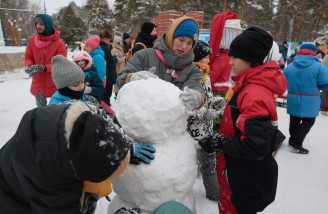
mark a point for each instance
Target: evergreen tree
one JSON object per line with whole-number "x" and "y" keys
{"x": 129, "y": 15}
{"x": 100, "y": 16}
{"x": 122, "y": 16}
{"x": 146, "y": 11}
{"x": 70, "y": 24}
{"x": 281, "y": 21}
{"x": 211, "y": 8}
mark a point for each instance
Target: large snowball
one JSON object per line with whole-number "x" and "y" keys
{"x": 150, "y": 111}
{"x": 146, "y": 112}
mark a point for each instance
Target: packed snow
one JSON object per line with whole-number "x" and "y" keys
{"x": 150, "y": 111}
{"x": 12, "y": 49}
{"x": 302, "y": 184}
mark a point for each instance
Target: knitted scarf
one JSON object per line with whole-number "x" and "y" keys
{"x": 205, "y": 68}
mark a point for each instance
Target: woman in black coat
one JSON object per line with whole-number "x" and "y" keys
{"x": 111, "y": 61}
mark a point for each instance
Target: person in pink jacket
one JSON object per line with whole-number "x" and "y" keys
{"x": 40, "y": 49}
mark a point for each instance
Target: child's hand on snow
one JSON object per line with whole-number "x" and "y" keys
{"x": 190, "y": 98}
{"x": 141, "y": 152}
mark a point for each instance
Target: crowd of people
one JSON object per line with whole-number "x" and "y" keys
{"x": 53, "y": 163}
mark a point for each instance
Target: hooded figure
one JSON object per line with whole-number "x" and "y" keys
{"x": 41, "y": 48}
{"x": 54, "y": 150}
{"x": 172, "y": 62}
{"x": 306, "y": 77}
{"x": 224, "y": 28}
{"x": 93, "y": 85}
{"x": 147, "y": 36}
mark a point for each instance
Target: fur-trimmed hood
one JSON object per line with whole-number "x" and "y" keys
{"x": 173, "y": 27}
{"x": 73, "y": 112}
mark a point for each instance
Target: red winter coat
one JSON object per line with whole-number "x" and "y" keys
{"x": 221, "y": 71}
{"x": 247, "y": 172}
{"x": 40, "y": 50}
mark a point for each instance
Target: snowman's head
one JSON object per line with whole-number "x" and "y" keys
{"x": 151, "y": 111}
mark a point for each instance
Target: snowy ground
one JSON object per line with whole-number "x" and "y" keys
{"x": 10, "y": 49}
{"x": 303, "y": 179}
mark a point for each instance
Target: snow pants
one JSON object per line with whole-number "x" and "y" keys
{"x": 207, "y": 165}
{"x": 299, "y": 127}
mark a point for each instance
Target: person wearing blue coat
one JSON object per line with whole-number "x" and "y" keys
{"x": 306, "y": 76}
{"x": 97, "y": 54}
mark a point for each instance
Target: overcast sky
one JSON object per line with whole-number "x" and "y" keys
{"x": 53, "y": 6}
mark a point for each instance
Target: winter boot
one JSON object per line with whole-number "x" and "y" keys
{"x": 324, "y": 113}
{"x": 298, "y": 149}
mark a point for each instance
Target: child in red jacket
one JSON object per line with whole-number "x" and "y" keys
{"x": 247, "y": 172}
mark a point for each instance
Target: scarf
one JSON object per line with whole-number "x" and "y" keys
{"x": 205, "y": 68}
{"x": 41, "y": 44}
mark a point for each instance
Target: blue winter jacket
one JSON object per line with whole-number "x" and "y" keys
{"x": 99, "y": 61}
{"x": 92, "y": 80}
{"x": 306, "y": 76}
{"x": 58, "y": 98}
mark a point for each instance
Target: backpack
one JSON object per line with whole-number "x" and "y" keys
{"x": 129, "y": 53}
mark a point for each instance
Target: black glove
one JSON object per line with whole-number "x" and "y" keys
{"x": 89, "y": 203}
{"x": 123, "y": 210}
{"x": 219, "y": 103}
{"x": 141, "y": 152}
{"x": 31, "y": 70}
{"x": 213, "y": 143}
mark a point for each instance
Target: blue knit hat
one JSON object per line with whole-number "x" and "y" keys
{"x": 48, "y": 23}
{"x": 187, "y": 28}
{"x": 309, "y": 46}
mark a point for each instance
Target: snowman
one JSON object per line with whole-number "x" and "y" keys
{"x": 150, "y": 111}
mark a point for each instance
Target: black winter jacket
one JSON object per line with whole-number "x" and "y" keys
{"x": 146, "y": 39}
{"x": 35, "y": 172}
{"x": 110, "y": 62}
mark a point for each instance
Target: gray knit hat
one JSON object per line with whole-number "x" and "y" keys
{"x": 65, "y": 72}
